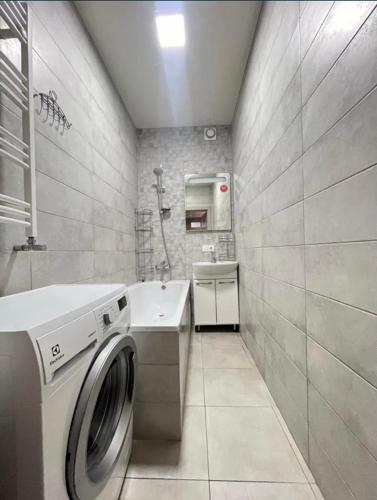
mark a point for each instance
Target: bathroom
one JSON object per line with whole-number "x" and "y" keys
{"x": 248, "y": 334}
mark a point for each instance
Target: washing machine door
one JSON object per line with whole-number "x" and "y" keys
{"x": 102, "y": 416}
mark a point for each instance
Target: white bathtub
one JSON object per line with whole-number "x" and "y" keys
{"x": 156, "y": 308}
{"x": 161, "y": 327}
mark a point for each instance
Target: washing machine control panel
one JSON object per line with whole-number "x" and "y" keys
{"x": 116, "y": 310}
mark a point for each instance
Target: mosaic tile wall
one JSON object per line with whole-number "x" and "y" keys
{"x": 180, "y": 151}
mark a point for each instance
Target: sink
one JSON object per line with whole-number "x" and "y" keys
{"x": 214, "y": 268}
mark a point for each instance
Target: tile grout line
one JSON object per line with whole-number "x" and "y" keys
{"x": 205, "y": 415}
{"x": 341, "y": 361}
{"x": 304, "y": 239}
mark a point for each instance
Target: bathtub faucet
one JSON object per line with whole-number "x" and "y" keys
{"x": 163, "y": 267}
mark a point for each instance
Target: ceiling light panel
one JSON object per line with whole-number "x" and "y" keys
{"x": 171, "y": 30}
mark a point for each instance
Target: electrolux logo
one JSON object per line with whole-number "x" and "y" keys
{"x": 57, "y": 355}
{"x": 55, "y": 350}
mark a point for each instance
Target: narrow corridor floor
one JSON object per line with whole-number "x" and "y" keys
{"x": 235, "y": 444}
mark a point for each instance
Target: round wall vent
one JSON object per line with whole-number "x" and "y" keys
{"x": 210, "y": 133}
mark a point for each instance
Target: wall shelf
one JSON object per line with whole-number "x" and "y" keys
{"x": 143, "y": 243}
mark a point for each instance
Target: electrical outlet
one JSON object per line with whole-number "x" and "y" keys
{"x": 208, "y": 248}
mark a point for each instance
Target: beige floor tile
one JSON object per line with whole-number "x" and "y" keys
{"x": 186, "y": 459}
{"x": 260, "y": 491}
{"x": 195, "y": 356}
{"x": 164, "y": 489}
{"x": 220, "y": 339}
{"x": 194, "y": 387}
{"x": 235, "y": 387}
{"x": 230, "y": 356}
{"x": 248, "y": 444}
{"x": 195, "y": 338}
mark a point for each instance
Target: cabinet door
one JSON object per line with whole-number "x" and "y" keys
{"x": 204, "y": 302}
{"x": 227, "y": 302}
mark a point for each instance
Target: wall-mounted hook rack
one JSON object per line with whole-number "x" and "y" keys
{"x": 48, "y": 103}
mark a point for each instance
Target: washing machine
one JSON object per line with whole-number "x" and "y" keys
{"x": 67, "y": 377}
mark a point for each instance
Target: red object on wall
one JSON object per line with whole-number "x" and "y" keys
{"x": 223, "y": 188}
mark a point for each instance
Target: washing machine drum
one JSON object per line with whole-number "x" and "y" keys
{"x": 102, "y": 416}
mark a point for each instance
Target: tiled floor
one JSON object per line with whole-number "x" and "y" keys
{"x": 235, "y": 444}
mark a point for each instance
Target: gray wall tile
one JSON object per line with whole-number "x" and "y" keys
{"x": 311, "y": 20}
{"x": 347, "y": 148}
{"x": 289, "y": 337}
{"x": 285, "y": 227}
{"x": 349, "y": 333}
{"x": 340, "y": 90}
{"x": 287, "y": 299}
{"x": 61, "y": 267}
{"x": 86, "y": 177}
{"x": 349, "y": 209}
{"x": 329, "y": 480}
{"x": 304, "y": 156}
{"x": 355, "y": 464}
{"x": 285, "y": 264}
{"x": 353, "y": 399}
{"x": 345, "y": 272}
{"x": 331, "y": 39}
{"x": 15, "y": 275}
{"x": 293, "y": 379}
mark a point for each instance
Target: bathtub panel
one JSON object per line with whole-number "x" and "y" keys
{"x": 157, "y": 348}
{"x": 157, "y": 384}
{"x": 161, "y": 327}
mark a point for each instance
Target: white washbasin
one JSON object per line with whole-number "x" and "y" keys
{"x": 214, "y": 268}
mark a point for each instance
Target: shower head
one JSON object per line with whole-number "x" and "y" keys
{"x": 158, "y": 171}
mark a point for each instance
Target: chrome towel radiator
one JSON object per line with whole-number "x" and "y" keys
{"x": 17, "y": 95}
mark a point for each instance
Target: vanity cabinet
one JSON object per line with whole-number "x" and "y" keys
{"x": 227, "y": 302}
{"x": 216, "y": 301}
{"x": 205, "y": 302}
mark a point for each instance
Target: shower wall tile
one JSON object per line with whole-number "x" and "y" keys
{"x": 180, "y": 151}
{"x": 304, "y": 159}
{"x": 86, "y": 177}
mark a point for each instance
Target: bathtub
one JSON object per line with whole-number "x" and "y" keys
{"x": 161, "y": 327}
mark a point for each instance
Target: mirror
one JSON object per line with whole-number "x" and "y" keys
{"x": 208, "y": 202}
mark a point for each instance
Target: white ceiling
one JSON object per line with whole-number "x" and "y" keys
{"x": 193, "y": 85}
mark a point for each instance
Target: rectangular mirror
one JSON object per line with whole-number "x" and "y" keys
{"x": 208, "y": 202}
